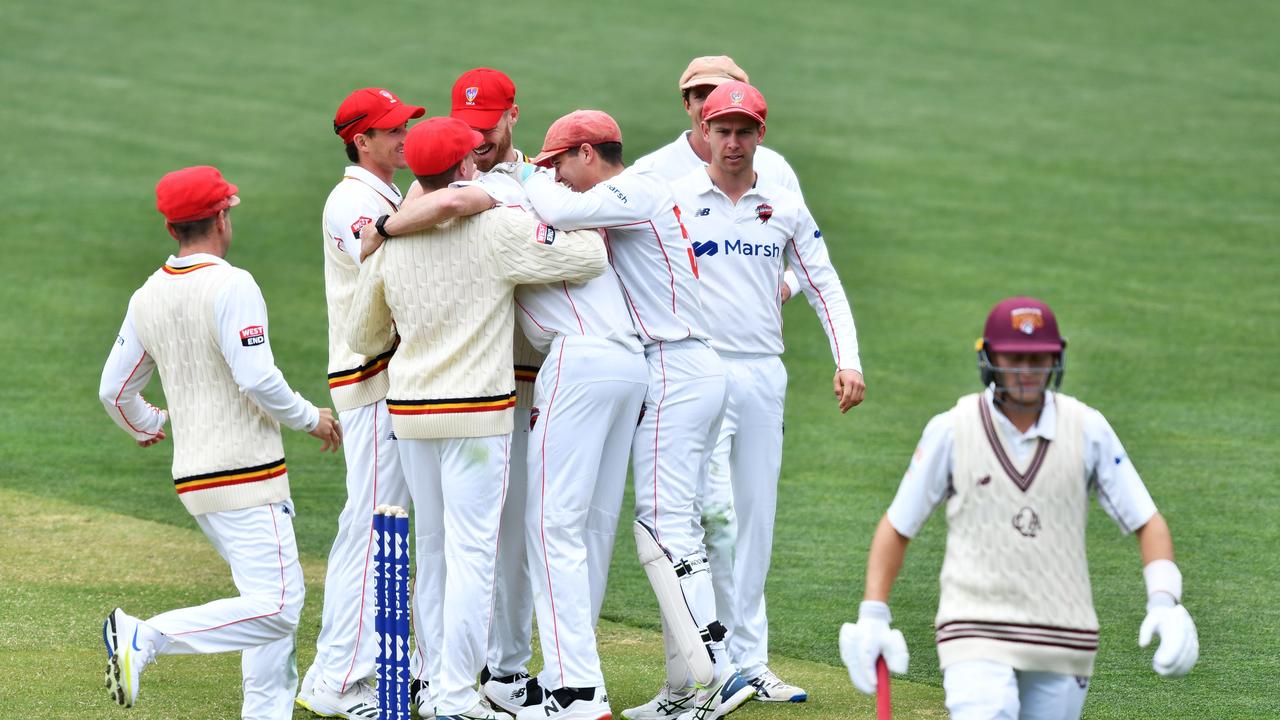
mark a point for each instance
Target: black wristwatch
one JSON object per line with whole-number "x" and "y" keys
{"x": 381, "y": 226}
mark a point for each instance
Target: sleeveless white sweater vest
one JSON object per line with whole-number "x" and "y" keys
{"x": 227, "y": 452}
{"x": 1015, "y": 581}
{"x": 355, "y": 380}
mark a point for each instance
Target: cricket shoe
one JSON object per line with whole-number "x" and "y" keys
{"x": 511, "y": 693}
{"x": 720, "y": 699}
{"x": 771, "y": 688}
{"x": 481, "y": 711}
{"x": 571, "y": 704}
{"x": 129, "y": 651}
{"x": 420, "y": 692}
{"x": 303, "y": 700}
{"x": 669, "y": 704}
{"x": 359, "y": 702}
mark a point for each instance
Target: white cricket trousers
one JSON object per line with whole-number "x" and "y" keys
{"x": 588, "y": 396}
{"x": 347, "y": 649}
{"x": 511, "y": 637}
{"x": 670, "y": 454}
{"x": 259, "y": 546}
{"x": 458, "y": 486}
{"x": 986, "y": 690}
{"x": 749, "y": 453}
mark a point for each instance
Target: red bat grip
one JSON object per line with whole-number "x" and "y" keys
{"x": 884, "y": 706}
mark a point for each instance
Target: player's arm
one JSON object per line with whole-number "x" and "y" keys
{"x": 240, "y": 317}
{"x": 807, "y": 253}
{"x": 1124, "y": 497}
{"x": 923, "y": 488}
{"x": 425, "y": 211}
{"x": 532, "y": 253}
{"x": 369, "y": 321}
{"x": 606, "y": 205}
{"x": 126, "y": 373}
{"x": 790, "y": 284}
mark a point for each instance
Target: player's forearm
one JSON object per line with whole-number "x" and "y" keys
{"x": 568, "y": 210}
{"x": 573, "y": 256}
{"x": 1155, "y": 542}
{"x": 272, "y": 393}
{"x": 127, "y": 371}
{"x": 884, "y": 562}
{"x": 427, "y": 211}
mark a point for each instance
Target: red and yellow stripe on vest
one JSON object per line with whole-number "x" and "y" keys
{"x": 223, "y": 478}
{"x": 364, "y": 372}
{"x": 447, "y": 406}
{"x": 184, "y": 270}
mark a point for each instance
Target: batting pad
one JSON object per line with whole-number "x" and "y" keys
{"x": 660, "y": 568}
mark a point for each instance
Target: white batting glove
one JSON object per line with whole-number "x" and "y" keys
{"x": 869, "y": 638}
{"x": 1179, "y": 644}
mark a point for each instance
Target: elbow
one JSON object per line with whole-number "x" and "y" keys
{"x": 107, "y": 394}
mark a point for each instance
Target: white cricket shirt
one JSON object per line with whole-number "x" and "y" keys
{"x": 926, "y": 484}
{"x": 593, "y": 308}
{"x": 238, "y": 308}
{"x": 648, "y": 247}
{"x": 740, "y": 248}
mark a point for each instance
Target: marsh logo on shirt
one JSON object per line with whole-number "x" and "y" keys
{"x": 546, "y": 234}
{"x": 253, "y": 335}
{"x": 710, "y": 247}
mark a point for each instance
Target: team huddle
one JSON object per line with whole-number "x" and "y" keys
{"x": 514, "y": 334}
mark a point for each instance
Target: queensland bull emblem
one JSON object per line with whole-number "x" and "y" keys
{"x": 472, "y": 92}
{"x": 1027, "y": 522}
{"x": 1026, "y": 320}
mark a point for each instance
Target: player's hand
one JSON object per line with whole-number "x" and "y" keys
{"x": 849, "y": 388}
{"x": 786, "y": 293}
{"x": 370, "y": 241}
{"x": 518, "y": 171}
{"x": 328, "y": 431}
{"x": 869, "y": 638}
{"x": 148, "y": 442}
{"x": 1179, "y": 645}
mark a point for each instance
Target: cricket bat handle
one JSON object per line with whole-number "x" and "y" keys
{"x": 884, "y": 706}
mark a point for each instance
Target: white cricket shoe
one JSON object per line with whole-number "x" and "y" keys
{"x": 571, "y": 704}
{"x": 359, "y": 702}
{"x": 129, "y": 651}
{"x": 481, "y": 711}
{"x": 420, "y": 692}
{"x": 511, "y": 693}
{"x": 303, "y": 699}
{"x": 771, "y": 688}
{"x": 720, "y": 699}
{"x": 668, "y": 704}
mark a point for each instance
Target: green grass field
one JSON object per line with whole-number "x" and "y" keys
{"x": 1121, "y": 161}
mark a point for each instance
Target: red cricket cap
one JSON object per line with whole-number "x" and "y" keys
{"x": 481, "y": 95}
{"x": 372, "y": 108}
{"x": 437, "y": 144}
{"x": 194, "y": 193}
{"x": 578, "y": 127}
{"x": 735, "y": 98}
{"x": 1022, "y": 325}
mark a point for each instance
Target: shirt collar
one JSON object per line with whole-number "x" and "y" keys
{"x": 194, "y": 259}
{"x": 1045, "y": 427}
{"x": 374, "y": 182}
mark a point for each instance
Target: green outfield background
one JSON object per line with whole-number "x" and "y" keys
{"x": 1119, "y": 160}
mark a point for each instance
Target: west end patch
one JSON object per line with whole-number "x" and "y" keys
{"x": 253, "y": 335}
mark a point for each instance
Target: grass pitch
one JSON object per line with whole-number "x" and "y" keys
{"x": 1118, "y": 160}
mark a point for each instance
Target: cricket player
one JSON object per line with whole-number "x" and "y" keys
{"x": 372, "y": 124}
{"x": 691, "y": 151}
{"x": 449, "y": 292}
{"x": 1016, "y": 629}
{"x": 203, "y": 324}
{"x": 746, "y": 225}
{"x": 585, "y": 409}
{"x": 651, "y": 252}
{"x": 484, "y": 98}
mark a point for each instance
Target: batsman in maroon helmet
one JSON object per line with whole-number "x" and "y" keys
{"x": 1016, "y": 631}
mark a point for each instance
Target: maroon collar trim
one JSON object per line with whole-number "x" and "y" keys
{"x": 1022, "y": 480}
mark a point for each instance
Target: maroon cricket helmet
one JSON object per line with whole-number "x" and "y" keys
{"x": 1021, "y": 325}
